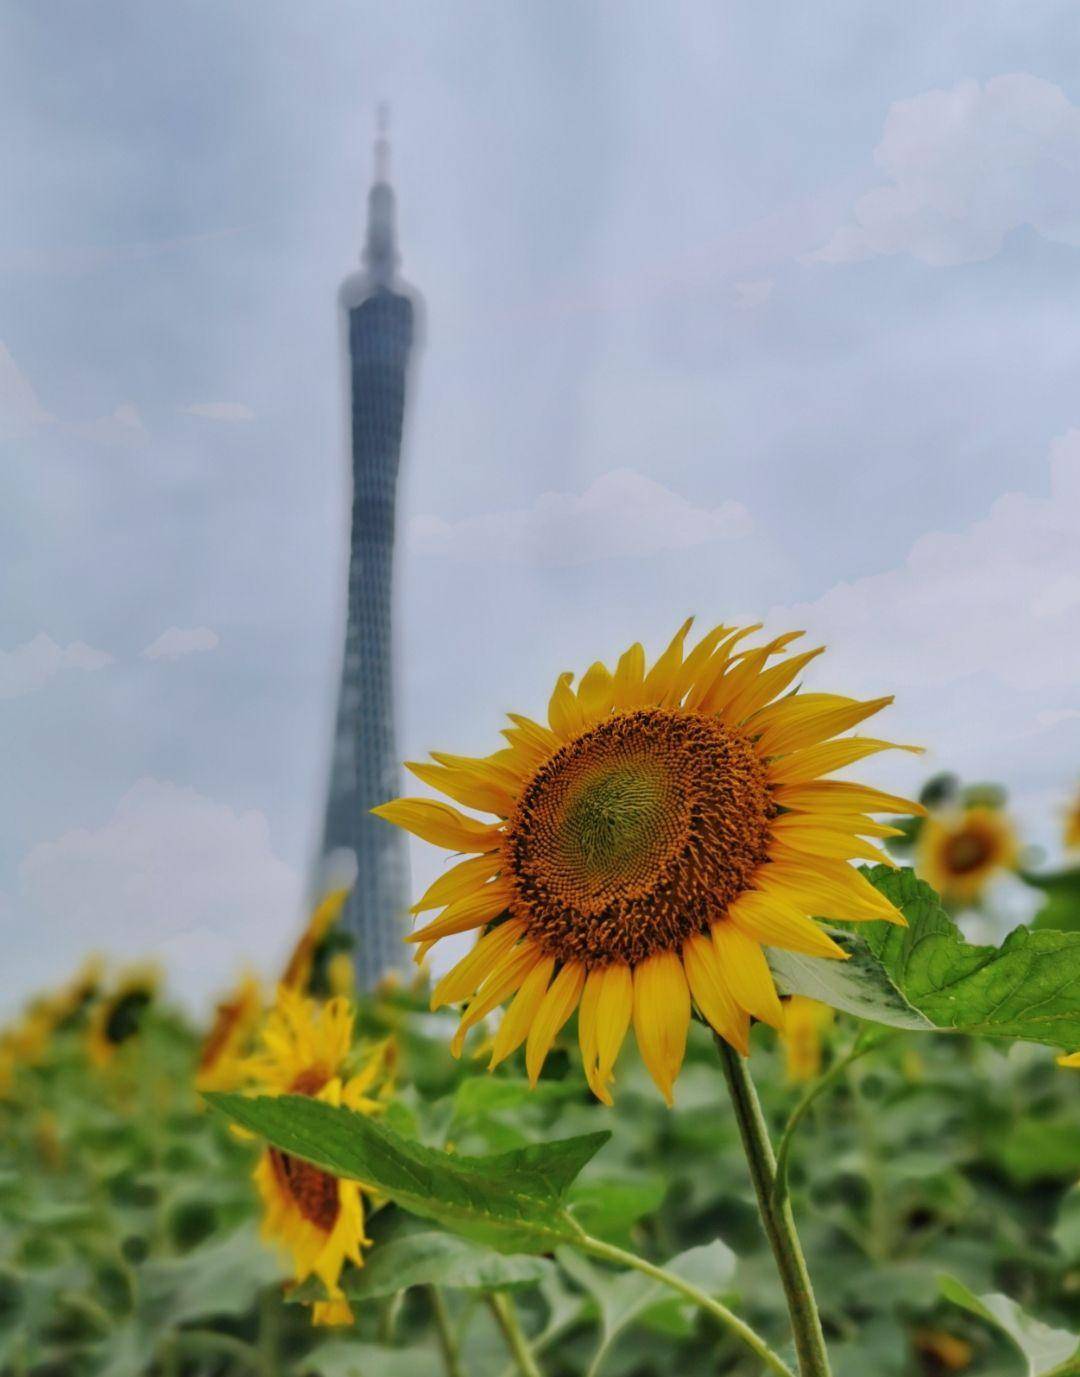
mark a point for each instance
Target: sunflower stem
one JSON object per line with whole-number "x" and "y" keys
{"x": 502, "y": 1307}
{"x": 447, "y": 1338}
{"x": 776, "y": 1216}
{"x": 750, "y": 1337}
{"x": 833, "y": 1074}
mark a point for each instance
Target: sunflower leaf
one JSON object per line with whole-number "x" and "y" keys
{"x": 1028, "y": 988}
{"x": 512, "y": 1201}
{"x": 1048, "y": 1352}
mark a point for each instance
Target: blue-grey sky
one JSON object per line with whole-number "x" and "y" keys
{"x": 730, "y": 310}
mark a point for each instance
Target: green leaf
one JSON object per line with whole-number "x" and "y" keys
{"x": 1047, "y": 1351}
{"x": 1028, "y": 988}
{"x": 1061, "y": 907}
{"x": 860, "y": 985}
{"x": 346, "y": 1358}
{"x": 625, "y": 1297}
{"x": 430, "y": 1258}
{"x": 610, "y": 1207}
{"x": 512, "y": 1201}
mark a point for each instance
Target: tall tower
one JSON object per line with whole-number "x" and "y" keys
{"x": 377, "y": 317}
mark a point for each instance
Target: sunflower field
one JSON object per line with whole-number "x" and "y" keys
{"x": 703, "y": 1095}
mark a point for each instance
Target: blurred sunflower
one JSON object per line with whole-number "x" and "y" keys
{"x": 805, "y": 1021}
{"x": 1071, "y": 1059}
{"x": 221, "y": 1063}
{"x": 117, "y": 1018}
{"x": 72, "y": 1000}
{"x": 665, "y": 825}
{"x": 316, "y": 1218}
{"x": 1071, "y": 836}
{"x": 960, "y": 852}
{"x": 301, "y": 963}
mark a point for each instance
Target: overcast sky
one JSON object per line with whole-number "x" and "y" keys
{"x": 730, "y": 309}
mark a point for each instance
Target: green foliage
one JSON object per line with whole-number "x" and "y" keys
{"x": 926, "y": 975}
{"x": 511, "y": 1201}
{"x": 1048, "y": 1352}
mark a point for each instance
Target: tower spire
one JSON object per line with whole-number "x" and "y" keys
{"x": 380, "y": 256}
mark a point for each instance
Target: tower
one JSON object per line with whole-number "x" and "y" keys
{"x": 377, "y": 319}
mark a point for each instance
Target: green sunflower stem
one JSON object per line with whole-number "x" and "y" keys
{"x": 750, "y": 1337}
{"x": 502, "y": 1307}
{"x": 776, "y": 1216}
{"x": 444, "y": 1327}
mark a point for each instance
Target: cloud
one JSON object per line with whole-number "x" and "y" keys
{"x": 980, "y": 601}
{"x": 622, "y": 513}
{"x": 30, "y": 666}
{"x": 180, "y": 641}
{"x": 966, "y": 166}
{"x": 20, "y": 410}
{"x": 172, "y": 874}
{"x": 219, "y": 411}
{"x": 751, "y": 294}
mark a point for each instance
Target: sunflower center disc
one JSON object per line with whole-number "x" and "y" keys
{"x": 967, "y": 851}
{"x": 314, "y": 1192}
{"x": 635, "y": 834}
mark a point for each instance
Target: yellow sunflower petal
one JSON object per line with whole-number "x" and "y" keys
{"x": 564, "y": 711}
{"x": 503, "y": 981}
{"x": 596, "y": 693}
{"x": 819, "y": 726}
{"x": 828, "y": 889}
{"x": 463, "y": 979}
{"x": 843, "y": 796}
{"x": 661, "y": 1017}
{"x": 714, "y": 669}
{"x": 518, "y": 1019}
{"x": 587, "y": 1032}
{"x": 629, "y": 678}
{"x": 465, "y": 787}
{"x": 662, "y": 675}
{"x": 464, "y": 878}
{"x": 803, "y": 766}
{"x": 747, "y": 974}
{"x": 776, "y": 922}
{"x": 764, "y": 687}
{"x": 558, "y": 1004}
{"x": 474, "y": 911}
{"x": 694, "y": 663}
{"x": 439, "y": 824}
{"x": 823, "y": 841}
{"x": 614, "y": 1009}
{"x": 711, "y": 994}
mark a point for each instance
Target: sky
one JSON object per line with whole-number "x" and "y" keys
{"x": 728, "y": 310}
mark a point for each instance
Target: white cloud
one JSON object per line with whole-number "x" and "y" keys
{"x": 123, "y": 427}
{"x": 964, "y": 603}
{"x": 179, "y": 641}
{"x": 621, "y": 513}
{"x": 756, "y": 293}
{"x": 219, "y": 411}
{"x": 31, "y": 665}
{"x": 173, "y": 875}
{"x": 20, "y": 410}
{"x": 966, "y": 166}
{"x": 953, "y": 632}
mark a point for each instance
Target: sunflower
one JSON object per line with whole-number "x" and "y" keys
{"x": 317, "y": 1219}
{"x": 1071, "y": 835}
{"x": 301, "y": 963}
{"x": 805, "y": 1020}
{"x": 664, "y": 826}
{"x": 1070, "y": 1059}
{"x": 118, "y": 1018}
{"x": 222, "y": 1056}
{"x": 960, "y": 852}
{"x": 72, "y": 1000}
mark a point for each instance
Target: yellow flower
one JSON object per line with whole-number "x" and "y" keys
{"x": 298, "y": 968}
{"x": 315, "y": 1218}
{"x": 1072, "y": 825}
{"x": 665, "y": 825}
{"x": 948, "y": 1352}
{"x": 804, "y": 1022}
{"x": 221, "y": 1058}
{"x": 118, "y": 1018}
{"x": 960, "y": 852}
{"x": 1071, "y": 1059}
